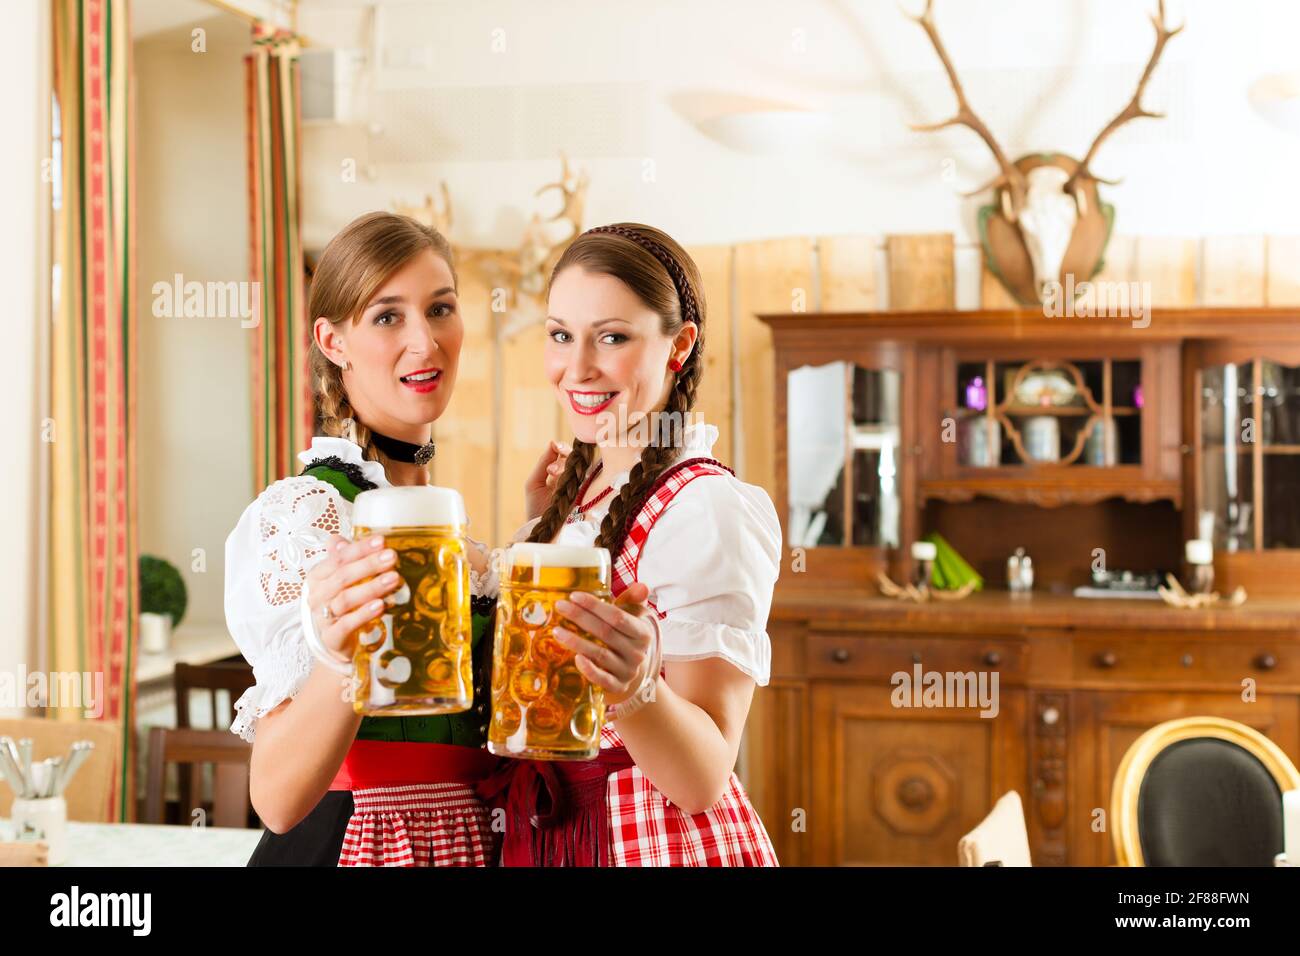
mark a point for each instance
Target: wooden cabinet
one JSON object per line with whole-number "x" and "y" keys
{"x": 1049, "y": 424}
{"x": 845, "y": 769}
{"x": 900, "y": 785}
{"x": 1089, "y": 441}
{"x": 882, "y": 419}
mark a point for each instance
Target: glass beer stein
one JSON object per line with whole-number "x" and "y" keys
{"x": 542, "y": 706}
{"x": 416, "y": 657}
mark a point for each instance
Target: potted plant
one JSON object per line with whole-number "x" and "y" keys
{"x": 162, "y": 602}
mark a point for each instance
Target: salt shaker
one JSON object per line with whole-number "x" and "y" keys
{"x": 923, "y": 554}
{"x": 1020, "y": 572}
{"x": 1200, "y": 566}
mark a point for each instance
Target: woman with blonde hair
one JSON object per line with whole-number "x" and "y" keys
{"x": 331, "y": 786}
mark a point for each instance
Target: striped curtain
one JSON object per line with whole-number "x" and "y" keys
{"x": 283, "y": 413}
{"x": 93, "y": 537}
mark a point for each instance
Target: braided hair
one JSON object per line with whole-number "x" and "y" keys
{"x": 354, "y": 265}
{"x": 666, "y": 279}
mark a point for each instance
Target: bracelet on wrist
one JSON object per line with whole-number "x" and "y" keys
{"x": 645, "y": 693}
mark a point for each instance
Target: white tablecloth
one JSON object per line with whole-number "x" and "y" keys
{"x": 139, "y": 844}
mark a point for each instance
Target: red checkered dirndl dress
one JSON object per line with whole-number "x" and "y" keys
{"x": 636, "y": 825}
{"x": 399, "y": 818}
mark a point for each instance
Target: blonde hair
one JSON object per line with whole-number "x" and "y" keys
{"x": 354, "y": 265}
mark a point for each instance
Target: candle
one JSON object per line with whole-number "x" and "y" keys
{"x": 924, "y": 551}
{"x": 1199, "y": 551}
{"x": 1291, "y": 826}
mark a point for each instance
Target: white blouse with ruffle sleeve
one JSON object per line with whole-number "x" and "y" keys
{"x": 279, "y": 538}
{"x": 711, "y": 561}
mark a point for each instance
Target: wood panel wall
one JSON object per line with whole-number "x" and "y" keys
{"x": 504, "y": 411}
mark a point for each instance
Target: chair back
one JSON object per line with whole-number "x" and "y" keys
{"x": 229, "y": 756}
{"x": 1200, "y": 791}
{"x": 232, "y": 677}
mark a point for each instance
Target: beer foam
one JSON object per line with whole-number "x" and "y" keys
{"x": 530, "y": 554}
{"x": 408, "y": 506}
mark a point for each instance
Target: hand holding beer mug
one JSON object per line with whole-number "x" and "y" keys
{"x": 544, "y": 706}
{"x": 414, "y": 657}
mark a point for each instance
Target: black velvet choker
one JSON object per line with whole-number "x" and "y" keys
{"x": 406, "y": 451}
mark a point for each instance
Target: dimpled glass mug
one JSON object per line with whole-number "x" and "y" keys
{"x": 416, "y": 657}
{"x": 542, "y": 706}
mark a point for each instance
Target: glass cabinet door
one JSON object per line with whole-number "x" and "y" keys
{"x": 1250, "y": 456}
{"x": 843, "y": 444}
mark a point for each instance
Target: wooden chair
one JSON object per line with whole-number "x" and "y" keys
{"x": 89, "y": 794}
{"x": 233, "y": 677}
{"x": 1200, "y": 791}
{"x": 1000, "y": 839}
{"x": 228, "y": 754}
{"x": 229, "y": 677}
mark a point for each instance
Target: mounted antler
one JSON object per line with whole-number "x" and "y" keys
{"x": 1011, "y": 178}
{"x": 431, "y": 213}
{"x": 1133, "y": 110}
{"x": 573, "y": 190}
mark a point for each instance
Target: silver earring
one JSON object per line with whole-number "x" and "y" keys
{"x": 346, "y": 366}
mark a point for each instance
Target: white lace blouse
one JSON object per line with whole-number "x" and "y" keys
{"x": 278, "y": 539}
{"x": 711, "y": 561}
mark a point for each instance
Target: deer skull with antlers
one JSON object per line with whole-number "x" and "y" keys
{"x": 1049, "y": 220}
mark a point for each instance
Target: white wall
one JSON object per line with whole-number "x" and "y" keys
{"x": 483, "y": 95}
{"x": 25, "y": 277}
{"x": 194, "y": 448}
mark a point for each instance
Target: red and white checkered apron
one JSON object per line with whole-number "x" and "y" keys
{"x": 414, "y": 804}
{"x": 644, "y": 828}
{"x": 605, "y": 812}
{"x": 423, "y": 824}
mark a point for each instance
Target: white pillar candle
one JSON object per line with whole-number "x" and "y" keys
{"x": 1199, "y": 551}
{"x": 1291, "y": 826}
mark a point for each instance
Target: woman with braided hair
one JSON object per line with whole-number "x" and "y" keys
{"x": 333, "y": 787}
{"x": 624, "y": 353}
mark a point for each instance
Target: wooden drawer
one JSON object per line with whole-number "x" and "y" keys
{"x": 854, "y": 654}
{"x": 1124, "y": 658}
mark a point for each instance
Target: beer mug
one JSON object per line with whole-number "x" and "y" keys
{"x": 416, "y": 657}
{"x": 542, "y": 706}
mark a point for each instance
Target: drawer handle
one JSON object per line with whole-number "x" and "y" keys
{"x": 1107, "y": 659}
{"x": 993, "y": 658}
{"x": 1187, "y": 660}
{"x": 840, "y": 655}
{"x": 1266, "y": 662}
{"x": 1050, "y": 716}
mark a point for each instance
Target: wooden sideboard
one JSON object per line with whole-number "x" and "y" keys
{"x": 1099, "y": 445}
{"x": 843, "y": 775}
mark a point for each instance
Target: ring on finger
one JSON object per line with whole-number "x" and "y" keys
{"x": 327, "y": 612}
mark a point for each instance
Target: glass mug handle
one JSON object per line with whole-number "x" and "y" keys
{"x": 318, "y": 650}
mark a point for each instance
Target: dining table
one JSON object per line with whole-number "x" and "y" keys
{"x": 145, "y": 844}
